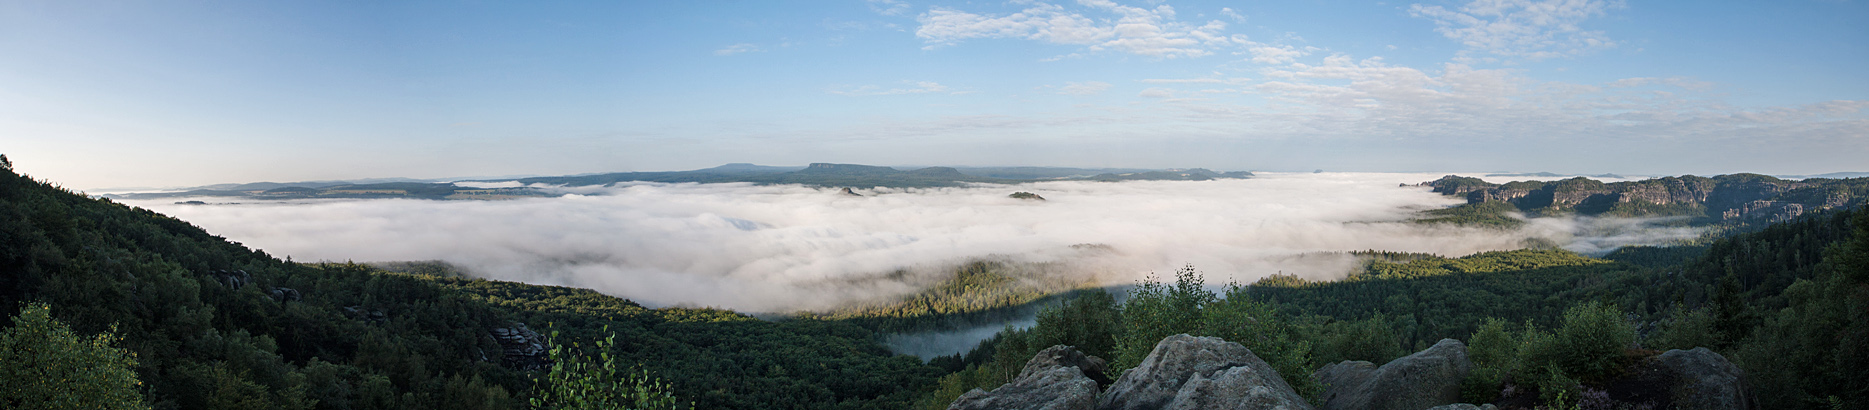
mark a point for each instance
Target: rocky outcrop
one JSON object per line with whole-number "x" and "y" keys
{"x": 232, "y": 279}
{"x": 1055, "y": 379}
{"x": 358, "y": 312}
{"x": 1726, "y": 197}
{"x": 1093, "y": 367}
{"x": 848, "y": 191}
{"x": 1704, "y": 380}
{"x": 286, "y": 295}
{"x": 1774, "y": 211}
{"x": 1026, "y": 196}
{"x": 1186, "y": 372}
{"x": 1342, "y": 376}
{"x": 1425, "y": 379}
{"x": 520, "y": 347}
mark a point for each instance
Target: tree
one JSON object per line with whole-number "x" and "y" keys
{"x": 44, "y": 365}
{"x": 1157, "y": 310}
{"x": 582, "y": 382}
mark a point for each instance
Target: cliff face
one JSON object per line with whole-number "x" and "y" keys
{"x": 1725, "y": 197}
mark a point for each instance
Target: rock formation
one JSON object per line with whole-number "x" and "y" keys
{"x": 286, "y": 295}
{"x": 1704, "y": 380}
{"x": 1425, "y": 379}
{"x": 1725, "y": 197}
{"x": 521, "y": 348}
{"x": 233, "y": 279}
{"x": 1026, "y": 195}
{"x": 1186, "y": 372}
{"x": 1053, "y": 380}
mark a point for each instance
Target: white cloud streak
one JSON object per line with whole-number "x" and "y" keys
{"x": 737, "y": 49}
{"x": 1529, "y": 29}
{"x": 1084, "y": 88}
{"x": 888, "y": 7}
{"x": 774, "y": 248}
{"x": 1150, "y": 32}
{"x": 918, "y": 87}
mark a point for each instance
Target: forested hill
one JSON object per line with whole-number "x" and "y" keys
{"x": 1737, "y": 198}
{"x": 216, "y": 325}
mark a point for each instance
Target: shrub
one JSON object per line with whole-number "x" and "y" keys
{"x": 1155, "y": 311}
{"x": 1372, "y": 340}
{"x": 1494, "y": 354}
{"x": 1259, "y": 328}
{"x": 581, "y": 382}
{"x": 1592, "y": 341}
{"x": 43, "y": 364}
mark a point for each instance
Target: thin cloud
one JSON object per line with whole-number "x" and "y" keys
{"x": 1235, "y": 15}
{"x": 1529, "y": 29}
{"x": 1141, "y": 31}
{"x": 888, "y": 7}
{"x": 737, "y": 49}
{"x": 918, "y": 87}
{"x": 1084, "y": 88}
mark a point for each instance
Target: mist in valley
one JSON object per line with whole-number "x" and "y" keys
{"x": 789, "y": 248}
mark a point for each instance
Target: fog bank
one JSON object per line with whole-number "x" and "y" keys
{"x": 777, "y": 248}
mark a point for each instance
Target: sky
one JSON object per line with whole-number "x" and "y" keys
{"x": 100, "y": 94}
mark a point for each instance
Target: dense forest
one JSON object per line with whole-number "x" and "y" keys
{"x": 157, "y": 313}
{"x": 211, "y": 324}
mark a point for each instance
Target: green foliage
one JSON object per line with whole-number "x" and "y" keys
{"x": 200, "y": 315}
{"x": 1495, "y": 353}
{"x": 1498, "y": 215}
{"x": 45, "y": 365}
{"x": 1812, "y": 352}
{"x": 1089, "y": 322}
{"x": 1260, "y": 328}
{"x": 1684, "y": 328}
{"x": 953, "y": 385}
{"x": 1484, "y": 262}
{"x": 593, "y": 380}
{"x": 1155, "y": 310}
{"x": 1372, "y": 340}
{"x": 1588, "y": 346}
{"x": 977, "y": 289}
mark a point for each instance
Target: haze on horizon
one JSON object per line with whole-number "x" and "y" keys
{"x": 112, "y": 94}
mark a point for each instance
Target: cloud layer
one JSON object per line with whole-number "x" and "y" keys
{"x": 776, "y": 248}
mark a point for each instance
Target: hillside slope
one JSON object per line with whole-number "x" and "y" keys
{"x": 216, "y": 325}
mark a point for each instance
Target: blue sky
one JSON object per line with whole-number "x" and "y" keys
{"x": 110, "y": 94}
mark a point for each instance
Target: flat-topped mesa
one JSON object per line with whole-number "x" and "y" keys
{"x": 1724, "y": 197}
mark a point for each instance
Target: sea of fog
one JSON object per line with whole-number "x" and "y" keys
{"x": 786, "y": 248}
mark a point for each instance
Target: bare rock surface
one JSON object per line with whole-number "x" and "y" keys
{"x": 1093, "y": 367}
{"x": 1418, "y": 381}
{"x": 1053, "y": 380}
{"x": 1186, "y": 372}
{"x": 1704, "y": 380}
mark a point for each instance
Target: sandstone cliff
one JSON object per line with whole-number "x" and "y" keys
{"x": 1735, "y": 197}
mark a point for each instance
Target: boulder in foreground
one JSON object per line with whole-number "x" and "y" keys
{"x": 1186, "y": 372}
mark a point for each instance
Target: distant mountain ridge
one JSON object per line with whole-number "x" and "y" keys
{"x": 866, "y": 176}
{"x": 816, "y": 174}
